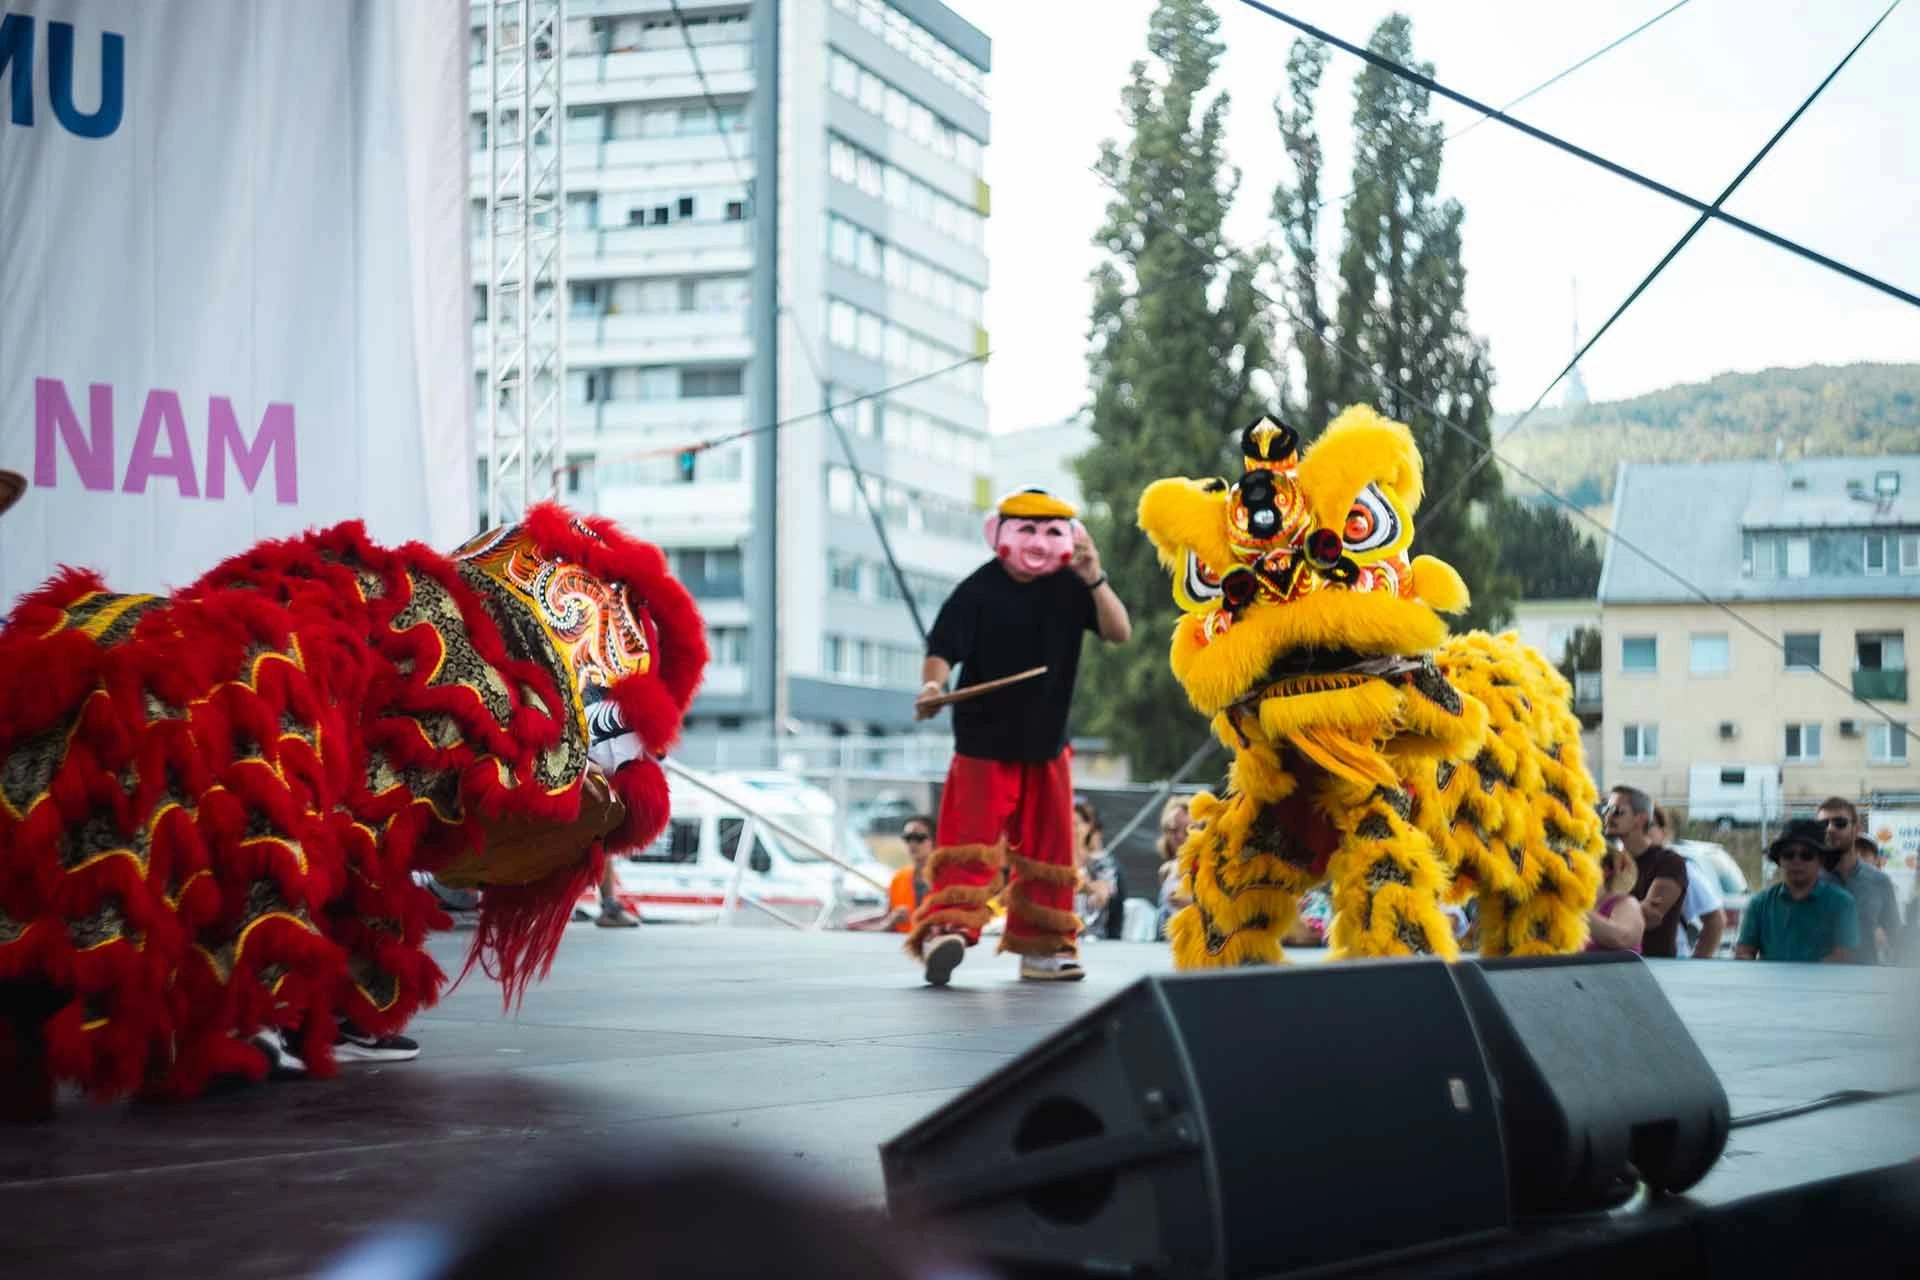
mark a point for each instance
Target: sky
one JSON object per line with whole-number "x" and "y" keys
{"x": 1688, "y": 102}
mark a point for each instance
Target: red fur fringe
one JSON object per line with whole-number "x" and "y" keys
{"x": 276, "y": 674}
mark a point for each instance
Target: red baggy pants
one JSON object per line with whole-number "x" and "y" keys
{"x": 999, "y": 819}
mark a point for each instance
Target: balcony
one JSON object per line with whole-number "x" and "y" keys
{"x": 1880, "y": 685}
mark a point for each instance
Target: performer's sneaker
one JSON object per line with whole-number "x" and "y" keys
{"x": 1051, "y": 969}
{"x": 351, "y": 1044}
{"x": 615, "y": 916}
{"x": 943, "y": 956}
{"x": 281, "y": 1062}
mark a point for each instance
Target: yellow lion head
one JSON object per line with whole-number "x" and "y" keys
{"x": 1295, "y": 579}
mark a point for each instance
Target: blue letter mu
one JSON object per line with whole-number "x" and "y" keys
{"x": 16, "y": 56}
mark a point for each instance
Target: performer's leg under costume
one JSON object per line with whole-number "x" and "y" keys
{"x": 1000, "y": 820}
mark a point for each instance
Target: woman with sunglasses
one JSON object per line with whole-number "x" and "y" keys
{"x": 909, "y": 883}
{"x": 1803, "y": 917}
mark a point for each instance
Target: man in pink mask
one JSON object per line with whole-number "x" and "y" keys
{"x": 1007, "y": 807}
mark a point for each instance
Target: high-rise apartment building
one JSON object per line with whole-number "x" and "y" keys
{"x": 806, "y": 228}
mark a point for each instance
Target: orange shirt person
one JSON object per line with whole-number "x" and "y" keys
{"x": 906, "y": 888}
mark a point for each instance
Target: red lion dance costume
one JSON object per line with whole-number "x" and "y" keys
{"x": 213, "y": 804}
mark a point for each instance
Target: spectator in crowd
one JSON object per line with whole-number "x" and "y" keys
{"x": 1804, "y": 916}
{"x": 1703, "y": 914}
{"x": 1176, "y": 822}
{"x": 1868, "y": 885}
{"x": 909, "y": 884}
{"x": 1096, "y": 897}
{"x": 1660, "y": 880}
{"x": 1616, "y": 922}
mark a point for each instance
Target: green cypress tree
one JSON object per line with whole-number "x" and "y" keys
{"x": 1179, "y": 336}
{"x": 1401, "y": 309}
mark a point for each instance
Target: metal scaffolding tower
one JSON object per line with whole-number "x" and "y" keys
{"x": 526, "y": 266}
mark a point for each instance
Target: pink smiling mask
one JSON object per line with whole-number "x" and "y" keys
{"x": 1032, "y": 545}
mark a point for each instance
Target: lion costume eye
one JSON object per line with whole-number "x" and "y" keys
{"x": 1372, "y": 523}
{"x": 1199, "y": 584}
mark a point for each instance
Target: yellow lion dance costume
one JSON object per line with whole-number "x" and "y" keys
{"x": 1412, "y": 767}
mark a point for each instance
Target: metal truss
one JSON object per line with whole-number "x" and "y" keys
{"x": 526, "y": 264}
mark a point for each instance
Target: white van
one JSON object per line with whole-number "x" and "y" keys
{"x": 685, "y": 875}
{"x": 1735, "y": 794}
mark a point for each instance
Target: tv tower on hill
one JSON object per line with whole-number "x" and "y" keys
{"x": 1576, "y": 393}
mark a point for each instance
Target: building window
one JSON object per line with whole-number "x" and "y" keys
{"x": 1639, "y": 653}
{"x": 843, "y": 572}
{"x": 1799, "y": 557}
{"x": 1876, "y": 554}
{"x": 840, "y": 490}
{"x": 704, "y": 384}
{"x": 1640, "y": 743}
{"x": 1708, "y": 654}
{"x": 833, "y": 655}
{"x": 1910, "y": 553}
{"x": 685, "y": 209}
{"x": 1803, "y": 650}
{"x": 1803, "y": 743}
{"x": 1880, "y": 651}
{"x": 1887, "y": 742}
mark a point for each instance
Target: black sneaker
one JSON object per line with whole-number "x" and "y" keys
{"x": 351, "y": 1044}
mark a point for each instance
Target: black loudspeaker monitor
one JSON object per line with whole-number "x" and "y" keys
{"x": 1598, "y": 1077}
{"x": 1232, "y": 1123}
{"x": 1261, "y": 1121}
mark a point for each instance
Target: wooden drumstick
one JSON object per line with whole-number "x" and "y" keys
{"x": 985, "y": 686}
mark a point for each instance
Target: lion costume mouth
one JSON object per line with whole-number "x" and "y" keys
{"x": 1307, "y": 671}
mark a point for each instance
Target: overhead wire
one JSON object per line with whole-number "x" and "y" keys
{"x": 1544, "y": 85}
{"x": 805, "y": 343}
{"x": 1572, "y": 148}
{"x": 1473, "y": 469}
{"x": 1443, "y": 420}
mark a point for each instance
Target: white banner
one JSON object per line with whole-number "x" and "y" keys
{"x": 234, "y": 280}
{"x": 1897, "y": 832}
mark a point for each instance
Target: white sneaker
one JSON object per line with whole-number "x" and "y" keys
{"x": 281, "y": 1062}
{"x": 943, "y": 956}
{"x": 1051, "y": 969}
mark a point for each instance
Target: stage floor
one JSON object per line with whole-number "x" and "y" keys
{"x": 806, "y": 1051}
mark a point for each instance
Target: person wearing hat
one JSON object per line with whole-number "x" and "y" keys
{"x": 1804, "y": 917}
{"x": 1007, "y": 806}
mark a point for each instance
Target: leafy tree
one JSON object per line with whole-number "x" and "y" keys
{"x": 1582, "y": 653}
{"x": 1179, "y": 335}
{"x": 1400, "y": 314}
{"x": 1542, "y": 551}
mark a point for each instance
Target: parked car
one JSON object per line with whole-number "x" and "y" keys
{"x": 1709, "y": 859}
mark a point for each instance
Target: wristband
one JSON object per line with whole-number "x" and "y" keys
{"x": 1098, "y": 582}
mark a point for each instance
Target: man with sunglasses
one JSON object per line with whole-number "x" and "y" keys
{"x": 1869, "y": 886}
{"x": 1803, "y": 918}
{"x": 1660, "y": 884}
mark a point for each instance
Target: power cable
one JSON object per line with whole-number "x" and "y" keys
{"x": 713, "y": 106}
{"x": 1474, "y": 468}
{"x": 1591, "y": 157}
{"x": 1839, "y": 1098}
{"x": 1474, "y": 442}
{"x": 712, "y": 442}
{"x": 859, "y": 476}
{"x": 1548, "y": 83}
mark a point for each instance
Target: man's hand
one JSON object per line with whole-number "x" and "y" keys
{"x": 1086, "y": 556}
{"x": 928, "y": 691}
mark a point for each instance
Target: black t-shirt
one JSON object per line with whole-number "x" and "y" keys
{"x": 994, "y": 625}
{"x": 1661, "y": 863}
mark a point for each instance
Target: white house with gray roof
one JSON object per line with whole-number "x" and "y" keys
{"x": 1760, "y": 627}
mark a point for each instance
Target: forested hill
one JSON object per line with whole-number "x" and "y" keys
{"x": 1816, "y": 411}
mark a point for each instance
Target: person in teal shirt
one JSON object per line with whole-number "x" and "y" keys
{"x": 1803, "y": 918}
